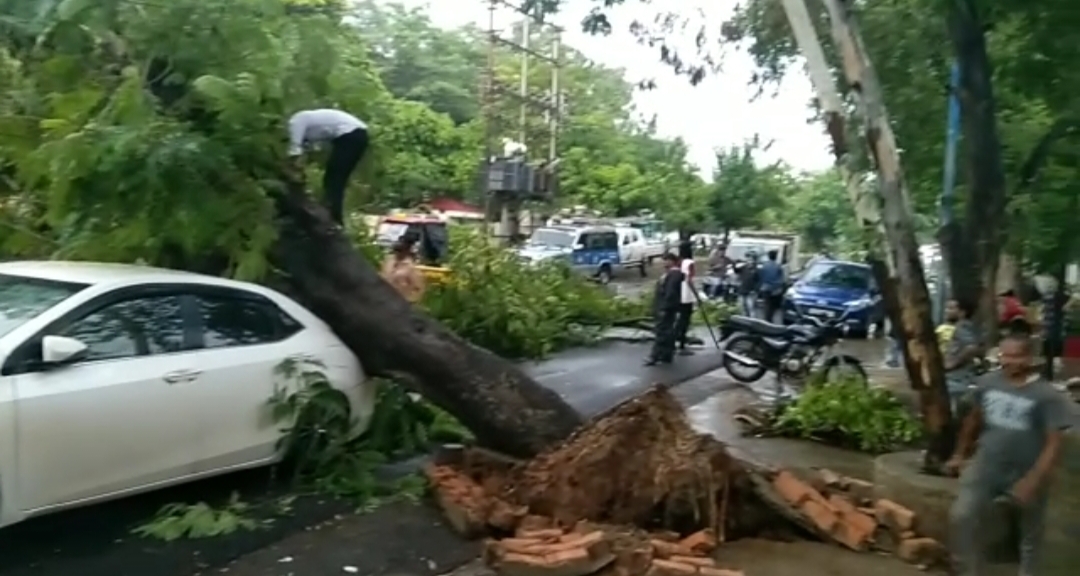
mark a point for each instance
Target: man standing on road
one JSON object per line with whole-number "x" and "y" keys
{"x": 686, "y": 297}
{"x": 773, "y": 285}
{"x": 963, "y": 348}
{"x": 666, "y": 301}
{"x": 1022, "y": 419}
{"x": 348, "y": 138}
{"x": 748, "y": 284}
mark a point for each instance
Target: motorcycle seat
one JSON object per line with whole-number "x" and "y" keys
{"x": 758, "y": 326}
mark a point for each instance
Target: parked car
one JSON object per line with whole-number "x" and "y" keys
{"x": 596, "y": 251}
{"x": 829, "y": 288}
{"x": 117, "y": 379}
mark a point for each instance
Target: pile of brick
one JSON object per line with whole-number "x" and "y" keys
{"x": 843, "y": 509}
{"x": 603, "y": 551}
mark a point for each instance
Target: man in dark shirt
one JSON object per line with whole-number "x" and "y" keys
{"x": 773, "y": 285}
{"x": 749, "y": 283}
{"x": 666, "y": 301}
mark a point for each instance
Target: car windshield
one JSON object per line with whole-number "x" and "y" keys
{"x": 22, "y": 299}
{"x": 838, "y": 275}
{"x": 557, "y": 238}
{"x": 389, "y": 232}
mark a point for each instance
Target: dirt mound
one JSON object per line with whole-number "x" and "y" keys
{"x": 637, "y": 464}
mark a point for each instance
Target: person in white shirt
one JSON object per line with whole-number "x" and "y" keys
{"x": 687, "y": 296}
{"x": 348, "y": 138}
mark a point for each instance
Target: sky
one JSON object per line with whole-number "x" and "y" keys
{"x": 719, "y": 112}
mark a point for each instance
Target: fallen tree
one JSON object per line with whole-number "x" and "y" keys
{"x": 503, "y": 407}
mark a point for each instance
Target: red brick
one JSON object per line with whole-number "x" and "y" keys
{"x": 860, "y": 490}
{"x": 702, "y": 542}
{"x": 518, "y": 545}
{"x": 898, "y": 518}
{"x": 855, "y": 531}
{"x": 831, "y": 479}
{"x": 842, "y": 504}
{"x": 547, "y": 534}
{"x": 923, "y": 551}
{"x": 693, "y": 560}
{"x": 822, "y": 517}
{"x": 664, "y": 549}
{"x": 665, "y": 535}
{"x": 719, "y": 572}
{"x": 791, "y": 489}
{"x": 669, "y": 568}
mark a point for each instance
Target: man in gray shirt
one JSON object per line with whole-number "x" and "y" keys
{"x": 348, "y": 138}
{"x": 1022, "y": 419}
{"x": 961, "y": 351}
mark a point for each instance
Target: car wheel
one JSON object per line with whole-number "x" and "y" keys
{"x": 604, "y": 275}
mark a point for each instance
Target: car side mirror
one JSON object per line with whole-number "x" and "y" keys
{"x": 62, "y": 350}
{"x": 579, "y": 246}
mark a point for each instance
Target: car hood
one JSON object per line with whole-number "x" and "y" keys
{"x": 540, "y": 252}
{"x": 828, "y": 294}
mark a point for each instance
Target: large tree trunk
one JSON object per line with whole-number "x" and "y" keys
{"x": 504, "y": 408}
{"x": 974, "y": 270}
{"x": 922, "y": 356}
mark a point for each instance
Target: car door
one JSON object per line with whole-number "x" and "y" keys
{"x": 246, "y": 337}
{"x": 120, "y": 419}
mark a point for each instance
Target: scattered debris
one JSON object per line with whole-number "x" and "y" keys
{"x": 637, "y": 491}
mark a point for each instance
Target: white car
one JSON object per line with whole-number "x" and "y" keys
{"x": 117, "y": 379}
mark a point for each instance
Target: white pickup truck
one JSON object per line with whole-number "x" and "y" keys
{"x": 597, "y": 251}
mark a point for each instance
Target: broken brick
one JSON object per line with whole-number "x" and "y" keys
{"x": 791, "y": 489}
{"x": 719, "y": 572}
{"x": 923, "y": 551}
{"x": 860, "y": 490}
{"x": 842, "y": 504}
{"x": 546, "y": 534}
{"x": 665, "y": 535}
{"x": 517, "y": 545}
{"x": 831, "y": 479}
{"x": 693, "y": 560}
{"x": 669, "y": 568}
{"x": 855, "y": 531}
{"x": 701, "y": 542}
{"x": 820, "y": 515}
{"x": 463, "y": 503}
{"x": 898, "y": 518}
{"x": 664, "y": 549}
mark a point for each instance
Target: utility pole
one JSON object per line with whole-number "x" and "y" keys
{"x": 889, "y": 210}
{"x": 510, "y": 179}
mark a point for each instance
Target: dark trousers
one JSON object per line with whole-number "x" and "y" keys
{"x": 345, "y": 153}
{"x": 682, "y": 323}
{"x": 663, "y": 349}
{"x": 772, "y": 306}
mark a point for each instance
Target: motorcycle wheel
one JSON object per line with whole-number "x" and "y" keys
{"x": 749, "y": 347}
{"x": 847, "y": 367}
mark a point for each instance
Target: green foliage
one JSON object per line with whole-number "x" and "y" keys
{"x": 200, "y": 520}
{"x": 499, "y": 301}
{"x": 849, "y": 414}
{"x": 322, "y": 447}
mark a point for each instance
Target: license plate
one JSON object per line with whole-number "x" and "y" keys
{"x": 820, "y": 312}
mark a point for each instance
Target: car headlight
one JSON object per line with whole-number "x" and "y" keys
{"x": 860, "y": 303}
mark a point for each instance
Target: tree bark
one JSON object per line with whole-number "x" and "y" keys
{"x": 504, "y": 408}
{"x": 984, "y": 218}
{"x": 922, "y": 356}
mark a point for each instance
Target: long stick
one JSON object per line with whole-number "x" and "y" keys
{"x": 704, "y": 316}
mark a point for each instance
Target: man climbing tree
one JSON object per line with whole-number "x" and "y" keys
{"x": 348, "y": 137}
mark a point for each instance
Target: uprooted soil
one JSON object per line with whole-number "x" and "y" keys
{"x": 640, "y": 464}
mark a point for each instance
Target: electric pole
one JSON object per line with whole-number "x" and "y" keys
{"x": 513, "y": 175}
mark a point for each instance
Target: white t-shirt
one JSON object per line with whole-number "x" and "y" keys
{"x": 320, "y": 126}
{"x": 687, "y": 268}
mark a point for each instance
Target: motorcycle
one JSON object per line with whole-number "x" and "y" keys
{"x": 792, "y": 352}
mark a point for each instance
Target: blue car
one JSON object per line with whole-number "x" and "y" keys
{"x": 829, "y": 288}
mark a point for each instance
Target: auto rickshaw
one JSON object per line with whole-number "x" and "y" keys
{"x": 432, "y": 241}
